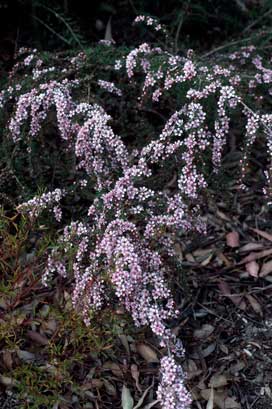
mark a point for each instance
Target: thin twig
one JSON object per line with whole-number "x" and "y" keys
{"x": 178, "y": 31}
{"x": 52, "y": 30}
{"x": 213, "y": 313}
{"x": 133, "y": 7}
{"x": 231, "y": 43}
{"x": 257, "y": 20}
{"x": 66, "y": 24}
{"x": 16, "y": 40}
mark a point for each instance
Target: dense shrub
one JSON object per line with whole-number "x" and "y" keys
{"x": 110, "y": 184}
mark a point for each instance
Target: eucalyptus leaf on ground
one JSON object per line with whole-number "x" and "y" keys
{"x": 127, "y": 400}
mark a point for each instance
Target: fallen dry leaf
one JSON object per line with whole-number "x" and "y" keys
{"x": 7, "y": 359}
{"x": 207, "y": 351}
{"x": 3, "y": 303}
{"x": 254, "y": 304}
{"x": 251, "y": 247}
{"x": 221, "y": 399}
{"x": 255, "y": 256}
{"x": 191, "y": 369}
{"x": 267, "y": 391}
{"x": 207, "y": 260}
{"x": 94, "y": 383}
{"x": 263, "y": 234}
{"x": 36, "y": 337}
{"x": 205, "y": 331}
{"x": 189, "y": 257}
{"x": 231, "y": 403}
{"x": 224, "y": 259}
{"x": 203, "y": 252}
{"x": 7, "y": 381}
{"x": 222, "y": 216}
{"x": 110, "y": 388}
{"x": 210, "y": 403}
{"x": 235, "y": 298}
{"x": 201, "y": 384}
{"x": 266, "y": 268}
{"x": 218, "y": 380}
{"x": 237, "y": 367}
{"x": 108, "y": 31}
{"x": 178, "y": 251}
{"x": 114, "y": 368}
{"x": 97, "y": 383}
{"x": 135, "y": 375}
{"x": 147, "y": 353}
{"x": 127, "y": 400}
{"x": 252, "y": 268}
{"x": 232, "y": 239}
{"x": 50, "y": 326}
{"x": 224, "y": 348}
{"x": 25, "y": 356}
{"x": 203, "y": 353}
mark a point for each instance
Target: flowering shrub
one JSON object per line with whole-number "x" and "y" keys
{"x": 119, "y": 248}
{"x": 36, "y": 205}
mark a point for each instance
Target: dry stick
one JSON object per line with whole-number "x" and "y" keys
{"x": 52, "y": 30}
{"x": 260, "y": 289}
{"x": 16, "y": 40}
{"x": 222, "y": 47}
{"x": 266, "y": 14}
{"x": 213, "y": 313}
{"x": 178, "y": 31}
{"x": 133, "y": 7}
{"x": 255, "y": 401}
{"x": 57, "y": 15}
{"x": 242, "y": 6}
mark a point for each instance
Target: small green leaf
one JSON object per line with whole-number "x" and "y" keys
{"x": 127, "y": 400}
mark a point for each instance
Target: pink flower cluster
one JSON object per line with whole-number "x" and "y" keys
{"x": 171, "y": 391}
{"x": 110, "y": 87}
{"x": 223, "y": 88}
{"x": 150, "y": 21}
{"x": 50, "y": 200}
{"x": 36, "y": 104}
{"x": 99, "y": 151}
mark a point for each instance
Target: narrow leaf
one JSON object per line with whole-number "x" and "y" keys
{"x": 108, "y": 34}
{"x": 127, "y": 400}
